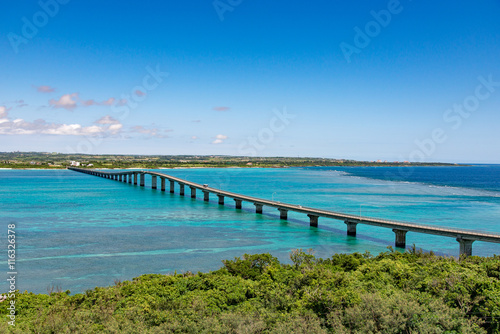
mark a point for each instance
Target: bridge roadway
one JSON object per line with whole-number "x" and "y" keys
{"x": 464, "y": 237}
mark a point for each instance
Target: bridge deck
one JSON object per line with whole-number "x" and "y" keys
{"x": 397, "y": 225}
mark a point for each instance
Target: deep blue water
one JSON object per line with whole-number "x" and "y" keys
{"x": 77, "y": 231}
{"x": 483, "y": 177}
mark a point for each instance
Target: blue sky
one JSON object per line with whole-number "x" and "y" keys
{"x": 365, "y": 80}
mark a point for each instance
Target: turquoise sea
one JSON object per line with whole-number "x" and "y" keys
{"x": 75, "y": 231}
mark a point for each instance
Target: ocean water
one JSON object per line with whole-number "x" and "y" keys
{"x": 76, "y": 231}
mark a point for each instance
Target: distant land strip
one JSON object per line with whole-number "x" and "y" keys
{"x": 46, "y": 160}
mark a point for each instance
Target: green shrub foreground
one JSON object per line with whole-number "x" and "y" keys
{"x": 392, "y": 292}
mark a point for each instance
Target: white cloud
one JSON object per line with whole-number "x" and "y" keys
{"x": 107, "y": 120}
{"x": 219, "y": 139}
{"x": 153, "y": 132}
{"x": 139, "y": 93}
{"x": 3, "y": 111}
{"x": 91, "y": 102}
{"x": 72, "y": 101}
{"x": 40, "y": 126}
{"x": 115, "y": 128}
{"x": 88, "y": 103}
{"x": 221, "y": 108}
{"x": 108, "y": 102}
{"x": 66, "y": 101}
{"x": 45, "y": 89}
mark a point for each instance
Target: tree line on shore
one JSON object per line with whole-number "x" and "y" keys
{"x": 393, "y": 292}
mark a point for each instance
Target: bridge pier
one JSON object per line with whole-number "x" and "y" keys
{"x": 351, "y": 228}
{"x": 400, "y": 238}
{"x": 465, "y": 238}
{"x": 237, "y": 203}
{"x": 465, "y": 246}
{"x": 313, "y": 220}
{"x": 283, "y": 213}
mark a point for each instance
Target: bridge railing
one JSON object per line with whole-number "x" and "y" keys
{"x": 400, "y": 228}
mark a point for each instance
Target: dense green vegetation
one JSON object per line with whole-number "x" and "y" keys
{"x": 393, "y": 292}
{"x": 59, "y": 160}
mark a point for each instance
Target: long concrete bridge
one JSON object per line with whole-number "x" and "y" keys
{"x": 464, "y": 237}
